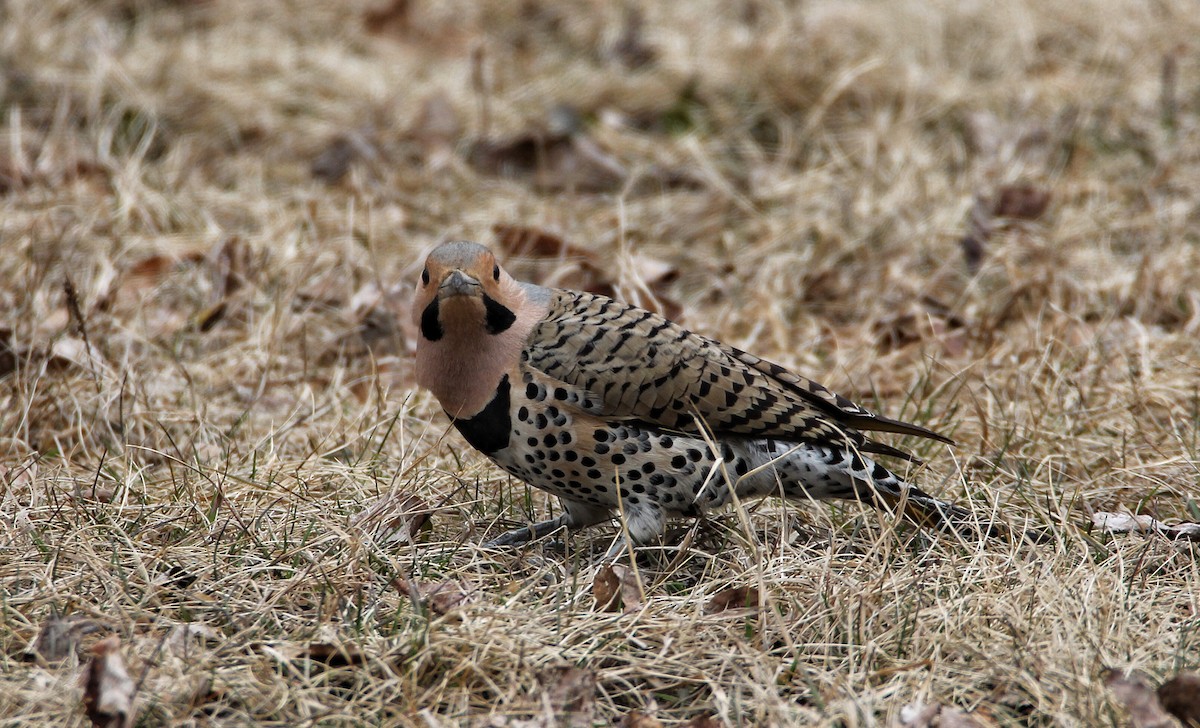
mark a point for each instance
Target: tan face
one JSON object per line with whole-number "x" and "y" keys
{"x": 462, "y": 292}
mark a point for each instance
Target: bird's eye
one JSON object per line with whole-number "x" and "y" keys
{"x": 425, "y": 277}
{"x": 496, "y": 272}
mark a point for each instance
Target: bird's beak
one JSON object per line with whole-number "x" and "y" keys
{"x": 458, "y": 284}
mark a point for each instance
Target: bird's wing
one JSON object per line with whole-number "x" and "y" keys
{"x": 624, "y": 362}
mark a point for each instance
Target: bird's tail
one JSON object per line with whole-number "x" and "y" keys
{"x": 923, "y": 510}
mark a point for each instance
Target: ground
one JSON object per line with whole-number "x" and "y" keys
{"x": 984, "y": 217}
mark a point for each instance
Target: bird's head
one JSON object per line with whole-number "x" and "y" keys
{"x": 464, "y": 293}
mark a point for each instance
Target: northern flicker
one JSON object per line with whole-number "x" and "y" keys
{"x": 621, "y": 412}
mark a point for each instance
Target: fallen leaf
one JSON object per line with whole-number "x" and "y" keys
{"x": 616, "y": 585}
{"x": 20, "y": 475}
{"x": 392, "y": 18}
{"x": 525, "y": 241}
{"x": 59, "y": 636}
{"x": 589, "y": 272}
{"x": 334, "y": 161}
{"x": 437, "y": 129}
{"x": 990, "y": 214}
{"x": 1020, "y": 202}
{"x": 107, "y": 688}
{"x": 550, "y": 162}
{"x": 606, "y": 589}
{"x": 1133, "y": 692}
{"x": 568, "y": 696}
{"x": 395, "y": 518}
{"x": 631, "y": 49}
{"x": 1180, "y": 696}
{"x": 739, "y": 597}
{"x": 440, "y": 598}
{"x": 926, "y": 320}
{"x": 1128, "y": 522}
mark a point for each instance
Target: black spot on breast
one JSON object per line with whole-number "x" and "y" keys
{"x": 678, "y": 461}
{"x": 497, "y": 318}
{"x": 489, "y": 430}
{"x": 431, "y": 326}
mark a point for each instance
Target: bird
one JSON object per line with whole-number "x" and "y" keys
{"x": 624, "y": 414}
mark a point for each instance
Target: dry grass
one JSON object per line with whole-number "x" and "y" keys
{"x": 210, "y": 428}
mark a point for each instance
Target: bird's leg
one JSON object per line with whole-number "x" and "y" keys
{"x": 576, "y": 515}
{"x": 532, "y": 532}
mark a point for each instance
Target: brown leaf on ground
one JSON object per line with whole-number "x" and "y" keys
{"x": 19, "y": 476}
{"x": 437, "y": 129}
{"x": 550, "y": 162}
{"x": 990, "y": 214}
{"x": 440, "y": 598}
{"x": 1020, "y": 202}
{"x": 1180, "y": 696}
{"x": 525, "y": 241}
{"x": 1134, "y": 692}
{"x": 568, "y": 695}
{"x": 341, "y": 151}
{"x": 606, "y": 589}
{"x": 590, "y": 271}
{"x": 631, "y": 50}
{"x": 395, "y": 518}
{"x": 59, "y": 636}
{"x": 738, "y": 597}
{"x": 638, "y": 719}
{"x": 390, "y": 18}
{"x": 1129, "y": 523}
{"x": 926, "y": 320}
{"x": 107, "y": 688}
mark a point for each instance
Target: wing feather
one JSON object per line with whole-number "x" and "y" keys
{"x": 624, "y": 362}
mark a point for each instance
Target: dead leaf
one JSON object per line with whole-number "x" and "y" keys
{"x": 440, "y": 598}
{"x": 568, "y": 695}
{"x": 59, "y": 636}
{"x": 437, "y": 129}
{"x": 631, "y": 49}
{"x": 20, "y": 475}
{"x": 990, "y": 214}
{"x": 1020, "y": 202}
{"x": 1127, "y": 522}
{"x": 738, "y": 597}
{"x": 1132, "y": 691}
{"x": 525, "y": 241}
{"x": 1180, "y": 696}
{"x": 391, "y": 18}
{"x": 606, "y": 589}
{"x": 107, "y": 688}
{"x": 584, "y": 270}
{"x": 395, "y": 518}
{"x": 916, "y": 322}
{"x": 550, "y": 162}
{"x": 334, "y": 161}
{"x": 615, "y": 586}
